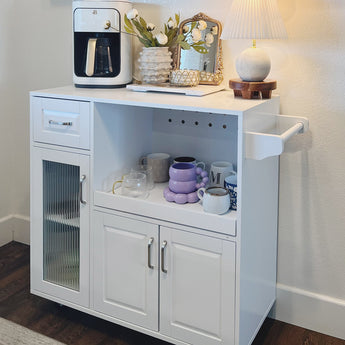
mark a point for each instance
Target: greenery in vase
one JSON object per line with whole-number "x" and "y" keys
{"x": 191, "y": 37}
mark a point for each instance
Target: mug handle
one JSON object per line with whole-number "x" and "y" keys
{"x": 90, "y": 57}
{"x": 142, "y": 160}
{"x": 201, "y": 196}
{"x": 118, "y": 181}
{"x": 202, "y": 165}
{"x": 204, "y": 177}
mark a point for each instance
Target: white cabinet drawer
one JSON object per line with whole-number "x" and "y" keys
{"x": 61, "y": 122}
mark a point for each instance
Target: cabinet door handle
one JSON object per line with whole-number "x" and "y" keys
{"x": 164, "y": 244}
{"x": 149, "y": 245}
{"x": 60, "y": 123}
{"x": 82, "y": 179}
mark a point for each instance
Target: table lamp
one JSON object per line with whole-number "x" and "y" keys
{"x": 254, "y": 19}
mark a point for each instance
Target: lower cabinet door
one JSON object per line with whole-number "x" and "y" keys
{"x": 60, "y": 220}
{"x": 126, "y": 269}
{"x": 197, "y": 282}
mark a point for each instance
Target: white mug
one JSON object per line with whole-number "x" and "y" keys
{"x": 160, "y": 163}
{"x": 214, "y": 199}
{"x": 218, "y": 171}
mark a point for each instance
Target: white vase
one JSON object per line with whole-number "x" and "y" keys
{"x": 155, "y": 65}
{"x": 253, "y": 64}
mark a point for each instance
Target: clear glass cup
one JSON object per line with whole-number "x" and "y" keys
{"x": 133, "y": 185}
{"x": 147, "y": 170}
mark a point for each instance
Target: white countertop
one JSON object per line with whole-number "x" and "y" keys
{"x": 222, "y": 102}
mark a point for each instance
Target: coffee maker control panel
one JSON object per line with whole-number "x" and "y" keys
{"x": 96, "y": 20}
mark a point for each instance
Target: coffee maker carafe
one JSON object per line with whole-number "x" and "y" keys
{"x": 98, "y": 58}
{"x": 102, "y": 52}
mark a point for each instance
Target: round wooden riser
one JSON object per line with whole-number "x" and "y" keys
{"x": 252, "y": 89}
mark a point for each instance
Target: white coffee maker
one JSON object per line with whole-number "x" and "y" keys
{"x": 102, "y": 51}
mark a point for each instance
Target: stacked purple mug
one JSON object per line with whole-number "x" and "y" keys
{"x": 183, "y": 183}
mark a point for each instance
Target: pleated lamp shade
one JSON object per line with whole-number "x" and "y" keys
{"x": 254, "y": 19}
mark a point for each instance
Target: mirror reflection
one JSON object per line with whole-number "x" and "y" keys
{"x": 210, "y": 64}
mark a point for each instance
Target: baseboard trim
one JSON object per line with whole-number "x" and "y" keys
{"x": 14, "y": 227}
{"x": 310, "y": 310}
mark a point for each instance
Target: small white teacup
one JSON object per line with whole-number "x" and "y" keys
{"x": 214, "y": 199}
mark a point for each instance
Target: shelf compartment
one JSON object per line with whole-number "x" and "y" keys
{"x": 58, "y": 218}
{"x": 272, "y": 134}
{"x": 155, "y": 206}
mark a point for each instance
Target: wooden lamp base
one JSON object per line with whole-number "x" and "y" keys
{"x": 252, "y": 89}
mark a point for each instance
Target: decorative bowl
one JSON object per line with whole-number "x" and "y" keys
{"x": 184, "y": 77}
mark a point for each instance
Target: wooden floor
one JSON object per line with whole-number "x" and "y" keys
{"x": 72, "y": 327}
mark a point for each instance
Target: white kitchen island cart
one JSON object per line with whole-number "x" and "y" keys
{"x": 170, "y": 271}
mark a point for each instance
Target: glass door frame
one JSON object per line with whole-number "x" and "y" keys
{"x": 38, "y": 284}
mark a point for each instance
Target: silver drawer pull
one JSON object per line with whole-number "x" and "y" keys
{"x": 59, "y": 123}
{"x": 149, "y": 245}
{"x": 164, "y": 244}
{"x": 82, "y": 179}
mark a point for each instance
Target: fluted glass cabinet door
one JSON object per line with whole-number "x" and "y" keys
{"x": 60, "y": 230}
{"x": 61, "y": 224}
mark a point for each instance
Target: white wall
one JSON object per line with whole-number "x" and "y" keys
{"x": 35, "y": 52}
{"x": 310, "y": 71}
{"x": 312, "y": 199}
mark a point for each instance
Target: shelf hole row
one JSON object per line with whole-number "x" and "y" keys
{"x": 196, "y": 123}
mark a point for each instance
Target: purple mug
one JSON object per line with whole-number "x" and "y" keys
{"x": 184, "y": 178}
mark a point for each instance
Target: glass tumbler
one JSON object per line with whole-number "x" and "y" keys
{"x": 133, "y": 185}
{"x": 147, "y": 170}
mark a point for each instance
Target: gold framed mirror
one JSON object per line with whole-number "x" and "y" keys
{"x": 210, "y": 64}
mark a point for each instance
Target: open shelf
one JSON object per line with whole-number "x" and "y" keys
{"x": 155, "y": 206}
{"x": 124, "y": 134}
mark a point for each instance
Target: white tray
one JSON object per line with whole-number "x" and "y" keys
{"x": 200, "y": 90}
